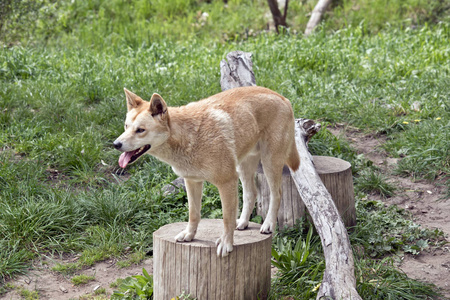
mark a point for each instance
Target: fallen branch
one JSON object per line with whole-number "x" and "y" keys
{"x": 339, "y": 277}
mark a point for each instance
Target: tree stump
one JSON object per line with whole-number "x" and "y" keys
{"x": 336, "y": 175}
{"x": 194, "y": 268}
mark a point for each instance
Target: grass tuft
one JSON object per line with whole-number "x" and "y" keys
{"x": 369, "y": 181}
{"x": 81, "y": 279}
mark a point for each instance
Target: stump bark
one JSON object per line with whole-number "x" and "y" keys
{"x": 194, "y": 268}
{"x": 336, "y": 175}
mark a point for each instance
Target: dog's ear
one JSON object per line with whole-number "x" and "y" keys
{"x": 133, "y": 100}
{"x": 158, "y": 106}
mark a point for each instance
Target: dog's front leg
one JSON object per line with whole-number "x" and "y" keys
{"x": 194, "y": 193}
{"x": 228, "y": 195}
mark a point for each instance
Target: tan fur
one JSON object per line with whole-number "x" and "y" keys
{"x": 218, "y": 139}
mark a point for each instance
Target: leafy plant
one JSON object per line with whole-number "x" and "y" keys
{"x": 385, "y": 229}
{"x": 299, "y": 264}
{"x": 135, "y": 287}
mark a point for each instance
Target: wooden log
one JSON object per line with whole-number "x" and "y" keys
{"x": 237, "y": 70}
{"x": 339, "y": 280}
{"x": 336, "y": 175}
{"x": 194, "y": 268}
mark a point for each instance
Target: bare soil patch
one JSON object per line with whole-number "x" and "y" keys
{"x": 53, "y": 285}
{"x": 426, "y": 201}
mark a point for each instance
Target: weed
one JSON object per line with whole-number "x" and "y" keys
{"x": 81, "y": 279}
{"x": 138, "y": 285}
{"x": 370, "y": 181}
{"x": 299, "y": 264}
{"x": 133, "y": 259}
{"x": 387, "y": 229}
{"x": 68, "y": 268}
{"x": 93, "y": 297}
{"x": 27, "y": 294}
{"x": 381, "y": 280}
{"x": 100, "y": 291}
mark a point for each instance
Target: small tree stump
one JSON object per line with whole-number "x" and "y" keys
{"x": 195, "y": 269}
{"x": 336, "y": 175}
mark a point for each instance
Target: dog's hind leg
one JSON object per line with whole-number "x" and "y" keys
{"x": 273, "y": 170}
{"x": 247, "y": 170}
{"x": 194, "y": 193}
{"x": 228, "y": 195}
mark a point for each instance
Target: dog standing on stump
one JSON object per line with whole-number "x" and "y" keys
{"x": 218, "y": 139}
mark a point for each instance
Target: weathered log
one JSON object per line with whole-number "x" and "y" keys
{"x": 238, "y": 71}
{"x": 339, "y": 277}
{"x": 336, "y": 175}
{"x": 316, "y": 15}
{"x": 195, "y": 269}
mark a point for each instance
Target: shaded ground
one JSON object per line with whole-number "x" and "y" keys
{"x": 425, "y": 200}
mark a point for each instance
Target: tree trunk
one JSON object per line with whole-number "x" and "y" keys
{"x": 278, "y": 18}
{"x": 339, "y": 277}
{"x": 316, "y": 15}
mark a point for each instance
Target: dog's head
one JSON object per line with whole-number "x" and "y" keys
{"x": 146, "y": 127}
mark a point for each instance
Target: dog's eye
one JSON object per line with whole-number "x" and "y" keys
{"x": 140, "y": 130}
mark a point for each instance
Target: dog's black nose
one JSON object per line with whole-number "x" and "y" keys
{"x": 117, "y": 145}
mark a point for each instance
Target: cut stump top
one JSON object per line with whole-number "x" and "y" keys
{"x": 330, "y": 165}
{"x": 209, "y": 230}
{"x": 322, "y": 164}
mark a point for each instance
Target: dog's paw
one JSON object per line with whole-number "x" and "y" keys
{"x": 267, "y": 227}
{"x": 223, "y": 248}
{"x": 241, "y": 224}
{"x": 185, "y": 236}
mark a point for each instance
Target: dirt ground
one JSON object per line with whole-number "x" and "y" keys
{"x": 423, "y": 199}
{"x": 54, "y": 286}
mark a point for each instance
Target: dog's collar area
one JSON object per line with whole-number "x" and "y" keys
{"x": 155, "y": 114}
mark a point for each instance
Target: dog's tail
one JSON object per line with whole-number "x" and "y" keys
{"x": 293, "y": 159}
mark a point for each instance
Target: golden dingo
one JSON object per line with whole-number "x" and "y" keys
{"x": 218, "y": 139}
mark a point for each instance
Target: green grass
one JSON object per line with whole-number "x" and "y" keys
{"x": 100, "y": 24}
{"x": 370, "y": 181}
{"x": 63, "y": 67}
{"x": 81, "y": 279}
{"x": 133, "y": 259}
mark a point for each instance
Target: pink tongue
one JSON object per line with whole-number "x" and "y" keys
{"x": 125, "y": 158}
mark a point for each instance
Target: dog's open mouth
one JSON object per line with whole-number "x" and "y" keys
{"x": 130, "y": 156}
